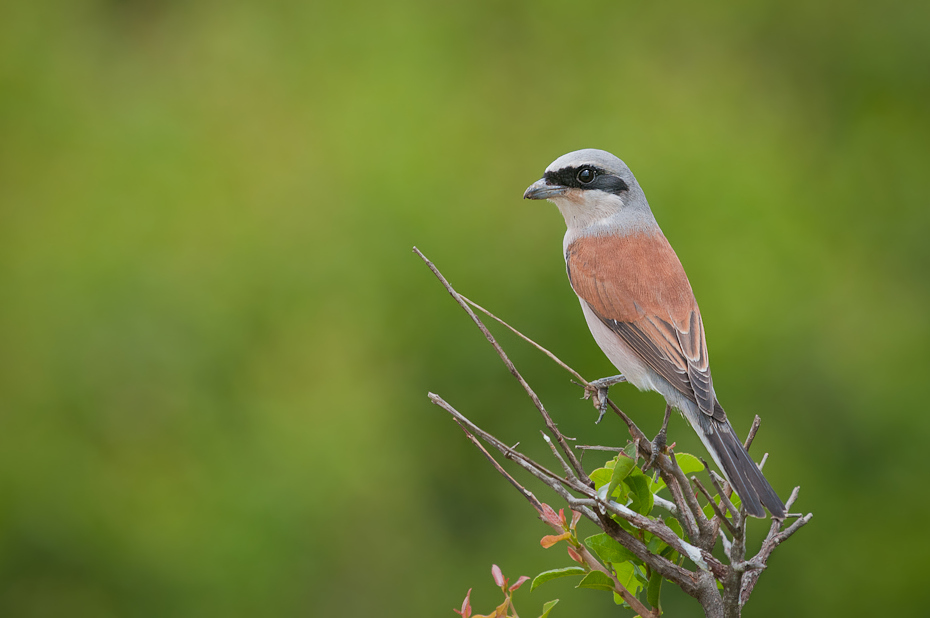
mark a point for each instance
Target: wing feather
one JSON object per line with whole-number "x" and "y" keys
{"x": 637, "y": 288}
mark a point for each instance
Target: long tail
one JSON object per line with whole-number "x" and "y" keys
{"x": 741, "y": 471}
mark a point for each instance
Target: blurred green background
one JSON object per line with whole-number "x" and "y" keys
{"x": 216, "y": 344}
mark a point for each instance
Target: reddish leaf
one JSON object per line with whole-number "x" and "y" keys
{"x": 498, "y": 576}
{"x": 562, "y": 517}
{"x": 550, "y": 539}
{"x": 575, "y": 555}
{"x": 500, "y": 611}
{"x": 465, "y": 612}
{"x": 519, "y": 582}
{"x": 550, "y": 516}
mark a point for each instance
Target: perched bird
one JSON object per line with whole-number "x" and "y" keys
{"x": 639, "y": 305}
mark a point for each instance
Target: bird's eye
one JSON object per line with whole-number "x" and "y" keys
{"x": 586, "y": 175}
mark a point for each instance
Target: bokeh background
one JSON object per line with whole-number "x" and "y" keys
{"x": 216, "y": 344}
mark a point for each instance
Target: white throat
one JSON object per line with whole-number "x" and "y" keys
{"x": 596, "y": 213}
{"x": 583, "y": 209}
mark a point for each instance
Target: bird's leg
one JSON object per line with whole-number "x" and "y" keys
{"x": 658, "y": 443}
{"x": 598, "y": 388}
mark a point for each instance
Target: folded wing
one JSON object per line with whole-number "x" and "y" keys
{"x": 636, "y": 285}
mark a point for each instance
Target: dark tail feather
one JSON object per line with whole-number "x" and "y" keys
{"x": 740, "y": 470}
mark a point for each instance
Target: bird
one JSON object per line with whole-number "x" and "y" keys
{"x": 640, "y": 308}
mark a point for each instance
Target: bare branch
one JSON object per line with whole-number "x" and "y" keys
{"x": 523, "y": 490}
{"x": 555, "y": 452}
{"x": 610, "y": 449}
{"x": 595, "y": 564}
{"x": 756, "y": 422}
{"x": 775, "y": 537}
{"x": 792, "y": 498}
{"x": 665, "y": 504}
{"x": 635, "y": 431}
{"x": 528, "y": 340}
{"x": 716, "y": 508}
{"x": 724, "y": 498}
{"x": 525, "y": 462}
{"x": 703, "y": 525}
{"x": 576, "y": 465}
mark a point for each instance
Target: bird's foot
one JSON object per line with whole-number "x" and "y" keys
{"x": 597, "y": 390}
{"x": 659, "y": 442}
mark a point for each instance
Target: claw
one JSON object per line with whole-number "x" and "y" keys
{"x": 659, "y": 442}
{"x": 598, "y": 390}
{"x": 601, "y": 404}
{"x": 658, "y": 446}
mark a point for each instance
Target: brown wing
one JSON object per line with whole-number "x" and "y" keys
{"x": 637, "y": 287}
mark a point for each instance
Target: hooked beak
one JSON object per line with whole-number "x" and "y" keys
{"x": 541, "y": 190}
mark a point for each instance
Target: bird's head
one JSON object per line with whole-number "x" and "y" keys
{"x": 589, "y": 186}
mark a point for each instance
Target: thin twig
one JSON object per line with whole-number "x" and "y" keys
{"x": 537, "y": 470}
{"x": 634, "y": 430}
{"x": 526, "y": 493}
{"x": 765, "y": 458}
{"x": 612, "y": 449}
{"x": 756, "y": 422}
{"x": 619, "y": 588}
{"x": 773, "y": 539}
{"x": 576, "y": 465}
{"x": 794, "y": 496}
{"x": 555, "y": 452}
{"x": 724, "y": 499}
{"x": 528, "y": 340}
{"x": 701, "y": 521}
{"x": 584, "y": 449}
{"x": 671, "y": 507}
{"x": 716, "y": 508}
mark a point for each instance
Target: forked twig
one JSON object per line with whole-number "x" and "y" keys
{"x": 576, "y": 465}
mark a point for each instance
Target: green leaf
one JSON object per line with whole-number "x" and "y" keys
{"x": 654, "y": 590}
{"x": 630, "y": 451}
{"x": 658, "y": 485}
{"x": 708, "y": 511}
{"x": 656, "y": 545}
{"x": 643, "y": 499}
{"x": 609, "y": 550}
{"x": 675, "y": 525}
{"x": 622, "y": 468}
{"x": 547, "y": 607}
{"x": 596, "y": 580}
{"x": 625, "y": 524}
{"x": 688, "y": 463}
{"x": 640, "y": 575}
{"x": 626, "y": 575}
{"x": 555, "y": 574}
{"x": 601, "y": 476}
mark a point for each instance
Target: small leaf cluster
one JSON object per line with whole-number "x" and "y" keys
{"x": 505, "y": 609}
{"x": 622, "y": 481}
